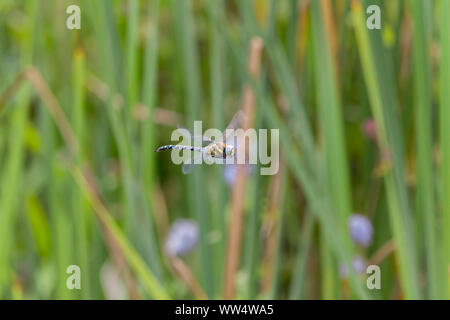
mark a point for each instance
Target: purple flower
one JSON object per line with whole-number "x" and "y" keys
{"x": 358, "y": 266}
{"x": 361, "y": 229}
{"x": 370, "y": 129}
{"x": 182, "y": 237}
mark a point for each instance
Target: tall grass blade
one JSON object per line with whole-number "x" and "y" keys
{"x": 13, "y": 164}
{"x": 424, "y": 150}
{"x": 190, "y": 74}
{"x": 78, "y": 205}
{"x": 444, "y": 116}
{"x": 380, "y": 86}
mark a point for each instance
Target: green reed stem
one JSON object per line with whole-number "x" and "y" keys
{"x": 138, "y": 227}
{"x": 131, "y": 53}
{"x": 379, "y": 82}
{"x": 78, "y": 206}
{"x": 424, "y": 152}
{"x": 299, "y": 276}
{"x": 330, "y": 115}
{"x": 444, "y": 115}
{"x": 149, "y": 96}
{"x": 13, "y": 163}
{"x": 218, "y": 74}
{"x": 190, "y": 74}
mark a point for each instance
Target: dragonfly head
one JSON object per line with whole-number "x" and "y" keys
{"x": 230, "y": 151}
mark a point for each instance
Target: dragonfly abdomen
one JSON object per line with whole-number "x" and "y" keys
{"x": 179, "y": 147}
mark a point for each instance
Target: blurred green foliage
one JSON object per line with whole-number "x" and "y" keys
{"x": 363, "y": 118}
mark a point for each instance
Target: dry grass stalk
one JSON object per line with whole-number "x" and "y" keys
{"x": 188, "y": 277}
{"x": 239, "y": 188}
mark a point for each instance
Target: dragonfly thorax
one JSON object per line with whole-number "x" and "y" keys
{"x": 221, "y": 150}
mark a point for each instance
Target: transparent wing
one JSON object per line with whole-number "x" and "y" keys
{"x": 189, "y": 165}
{"x": 187, "y": 168}
{"x": 236, "y": 122}
{"x": 191, "y": 137}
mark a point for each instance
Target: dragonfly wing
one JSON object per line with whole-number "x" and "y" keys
{"x": 188, "y": 135}
{"x": 236, "y": 122}
{"x": 190, "y": 164}
{"x": 187, "y": 168}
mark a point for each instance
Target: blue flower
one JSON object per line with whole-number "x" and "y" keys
{"x": 361, "y": 229}
{"x": 182, "y": 237}
{"x": 358, "y": 266}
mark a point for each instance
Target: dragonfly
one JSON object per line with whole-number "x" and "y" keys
{"x": 215, "y": 150}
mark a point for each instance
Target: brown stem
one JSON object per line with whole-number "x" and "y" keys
{"x": 188, "y": 277}
{"x": 12, "y": 88}
{"x": 330, "y": 27}
{"x": 238, "y": 194}
{"x": 44, "y": 92}
{"x": 272, "y": 225}
{"x": 382, "y": 252}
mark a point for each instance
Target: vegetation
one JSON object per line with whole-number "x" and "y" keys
{"x": 363, "y": 118}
